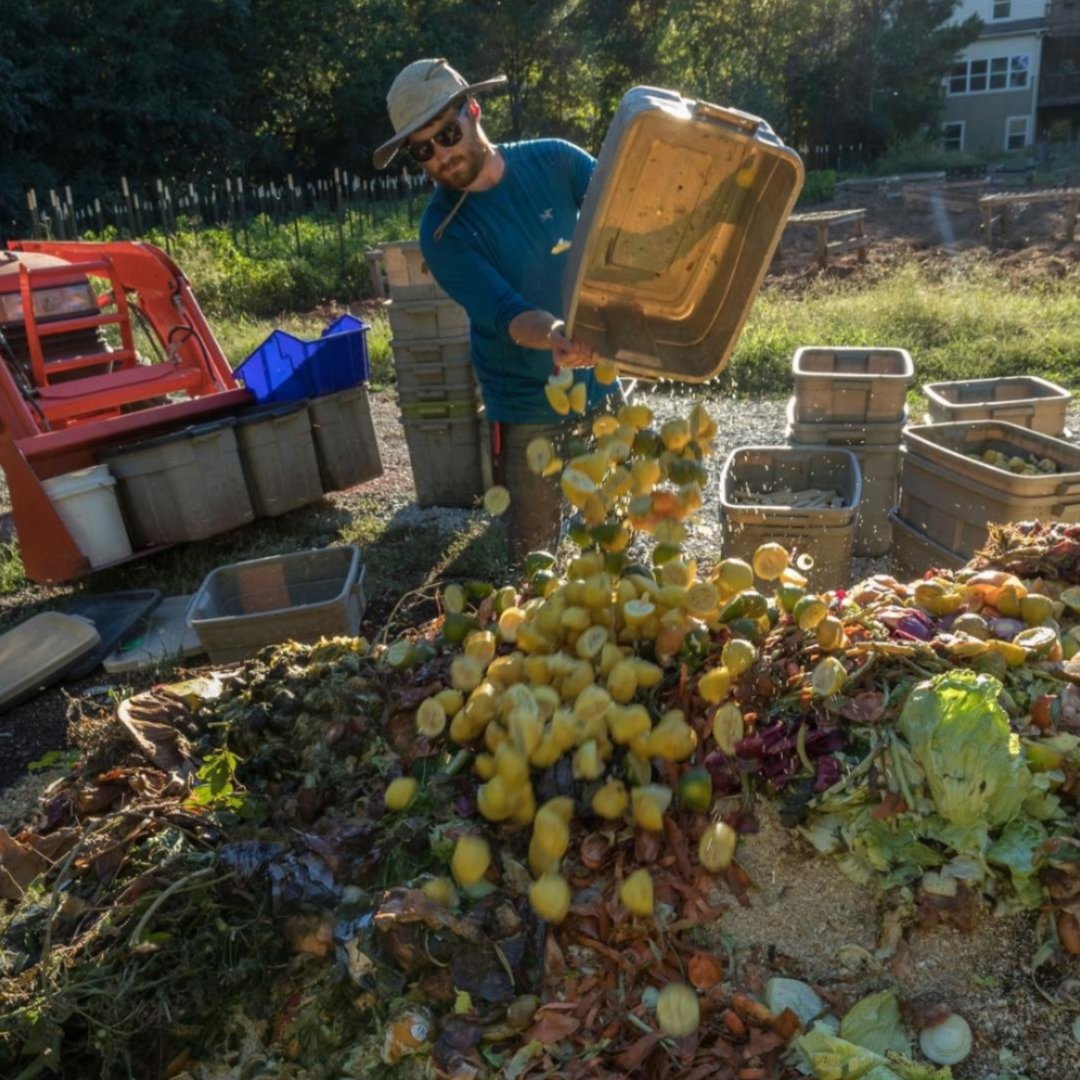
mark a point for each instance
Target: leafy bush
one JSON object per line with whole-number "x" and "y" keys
{"x": 818, "y": 188}
{"x": 922, "y": 155}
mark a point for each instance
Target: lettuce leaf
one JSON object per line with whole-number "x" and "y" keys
{"x": 833, "y": 1058}
{"x": 874, "y": 1024}
{"x": 960, "y": 737}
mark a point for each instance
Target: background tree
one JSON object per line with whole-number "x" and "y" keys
{"x": 91, "y": 90}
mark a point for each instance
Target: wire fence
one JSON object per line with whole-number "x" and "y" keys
{"x": 349, "y": 205}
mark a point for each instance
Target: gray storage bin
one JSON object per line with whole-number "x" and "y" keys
{"x": 302, "y": 596}
{"x": 855, "y": 385}
{"x": 345, "y": 442}
{"x": 825, "y": 534}
{"x": 277, "y": 453}
{"x": 446, "y": 458}
{"x": 186, "y": 485}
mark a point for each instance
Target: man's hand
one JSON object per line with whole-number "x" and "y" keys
{"x": 542, "y": 330}
{"x": 568, "y": 353}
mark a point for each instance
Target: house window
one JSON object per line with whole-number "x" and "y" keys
{"x": 999, "y": 73}
{"x": 952, "y": 135}
{"x": 1016, "y": 132}
{"x": 1002, "y": 9}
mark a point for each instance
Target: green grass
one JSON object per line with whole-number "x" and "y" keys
{"x": 240, "y": 335}
{"x": 967, "y": 322}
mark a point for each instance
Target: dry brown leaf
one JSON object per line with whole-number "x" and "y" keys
{"x": 704, "y": 970}
{"x": 634, "y": 1055}
{"x": 552, "y": 1026}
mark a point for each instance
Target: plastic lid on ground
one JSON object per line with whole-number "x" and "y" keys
{"x": 684, "y": 211}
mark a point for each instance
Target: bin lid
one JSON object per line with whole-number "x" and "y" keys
{"x": 682, "y": 216}
{"x": 36, "y": 653}
{"x": 113, "y": 615}
{"x": 193, "y": 431}
{"x": 257, "y": 413}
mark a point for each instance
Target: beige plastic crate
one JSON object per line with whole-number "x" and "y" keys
{"x": 954, "y": 510}
{"x": 951, "y": 446}
{"x": 853, "y": 385}
{"x": 407, "y": 273}
{"x": 446, "y": 458}
{"x": 913, "y": 553}
{"x": 877, "y": 449}
{"x": 432, "y": 364}
{"x": 412, "y": 320}
{"x": 825, "y": 534}
{"x": 1026, "y": 400}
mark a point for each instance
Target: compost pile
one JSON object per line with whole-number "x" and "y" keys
{"x": 496, "y": 844}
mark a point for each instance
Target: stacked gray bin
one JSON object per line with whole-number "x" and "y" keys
{"x": 436, "y": 387}
{"x": 855, "y": 398}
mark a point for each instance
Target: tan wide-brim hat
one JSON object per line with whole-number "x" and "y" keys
{"x": 419, "y": 93}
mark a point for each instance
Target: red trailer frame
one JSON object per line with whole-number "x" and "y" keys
{"x": 52, "y": 426}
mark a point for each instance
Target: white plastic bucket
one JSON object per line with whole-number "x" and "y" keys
{"x": 87, "y": 503}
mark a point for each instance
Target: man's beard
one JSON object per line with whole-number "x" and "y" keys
{"x": 463, "y": 167}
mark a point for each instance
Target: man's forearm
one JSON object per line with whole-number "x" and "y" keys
{"x": 532, "y": 329}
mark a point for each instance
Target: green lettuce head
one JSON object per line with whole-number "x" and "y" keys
{"x": 960, "y": 736}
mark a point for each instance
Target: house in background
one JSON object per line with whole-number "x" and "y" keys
{"x": 1059, "y": 74}
{"x": 991, "y": 93}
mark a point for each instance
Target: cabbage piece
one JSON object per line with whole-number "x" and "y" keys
{"x": 874, "y": 1024}
{"x": 960, "y": 737}
{"x": 833, "y": 1058}
{"x": 1016, "y": 849}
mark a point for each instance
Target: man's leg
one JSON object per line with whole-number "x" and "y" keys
{"x": 534, "y": 517}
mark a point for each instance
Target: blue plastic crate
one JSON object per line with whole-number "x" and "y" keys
{"x": 286, "y": 368}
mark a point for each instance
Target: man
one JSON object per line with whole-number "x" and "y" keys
{"x": 495, "y": 235}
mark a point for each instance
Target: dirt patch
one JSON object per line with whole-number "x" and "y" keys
{"x": 812, "y": 922}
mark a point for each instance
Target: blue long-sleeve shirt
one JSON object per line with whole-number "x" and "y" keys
{"x": 496, "y": 259}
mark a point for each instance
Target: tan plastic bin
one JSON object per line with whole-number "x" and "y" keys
{"x": 951, "y": 498}
{"x": 303, "y": 596}
{"x": 952, "y": 446}
{"x": 407, "y": 273}
{"x": 877, "y": 449}
{"x": 277, "y": 453}
{"x": 446, "y": 459}
{"x": 859, "y": 386}
{"x": 685, "y": 208}
{"x": 187, "y": 485}
{"x": 913, "y": 552}
{"x": 345, "y": 443}
{"x": 1025, "y": 400}
{"x": 432, "y": 364}
{"x": 825, "y": 534}
{"x": 424, "y": 319}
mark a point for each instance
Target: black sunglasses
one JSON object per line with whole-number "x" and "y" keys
{"x": 447, "y": 136}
